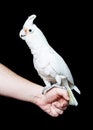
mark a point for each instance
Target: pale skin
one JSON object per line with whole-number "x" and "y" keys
{"x": 54, "y": 102}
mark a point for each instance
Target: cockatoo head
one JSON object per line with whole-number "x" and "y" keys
{"x": 28, "y": 28}
{"x": 33, "y": 36}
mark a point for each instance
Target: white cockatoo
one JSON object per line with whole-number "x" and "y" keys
{"x": 49, "y": 64}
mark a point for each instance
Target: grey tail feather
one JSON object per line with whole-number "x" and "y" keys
{"x": 72, "y": 100}
{"x": 76, "y": 89}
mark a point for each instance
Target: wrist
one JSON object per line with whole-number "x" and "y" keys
{"x": 35, "y": 94}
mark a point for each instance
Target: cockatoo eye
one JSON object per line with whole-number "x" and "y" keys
{"x": 30, "y": 30}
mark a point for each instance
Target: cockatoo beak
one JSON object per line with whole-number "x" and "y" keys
{"x": 22, "y": 34}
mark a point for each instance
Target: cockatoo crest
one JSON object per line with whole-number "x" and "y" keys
{"x": 30, "y": 20}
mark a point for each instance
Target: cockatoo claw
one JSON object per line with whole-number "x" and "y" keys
{"x": 58, "y": 86}
{"x": 47, "y": 88}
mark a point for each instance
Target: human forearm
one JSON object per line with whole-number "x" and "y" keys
{"x": 15, "y": 86}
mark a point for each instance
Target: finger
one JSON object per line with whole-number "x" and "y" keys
{"x": 58, "y": 105}
{"x": 64, "y": 108}
{"x": 63, "y": 93}
{"x": 53, "y": 112}
{"x": 63, "y": 102}
{"x": 57, "y": 110}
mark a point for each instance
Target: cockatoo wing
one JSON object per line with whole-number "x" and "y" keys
{"x": 59, "y": 66}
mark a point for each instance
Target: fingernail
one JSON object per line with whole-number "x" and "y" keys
{"x": 68, "y": 98}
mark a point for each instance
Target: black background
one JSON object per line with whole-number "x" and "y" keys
{"x": 67, "y": 29}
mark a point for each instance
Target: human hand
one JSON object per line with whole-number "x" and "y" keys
{"x": 54, "y": 102}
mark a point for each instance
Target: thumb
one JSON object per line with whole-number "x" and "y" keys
{"x": 63, "y": 93}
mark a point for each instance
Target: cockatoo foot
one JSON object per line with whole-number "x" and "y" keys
{"x": 58, "y": 86}
{"x": 47, "y": 88}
